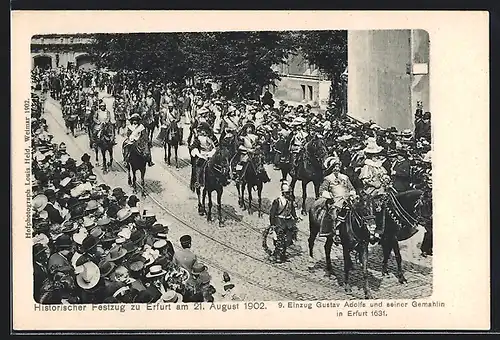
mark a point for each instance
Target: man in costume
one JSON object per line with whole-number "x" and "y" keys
{"x": 202, "y": 148}
{"x": 249, "y": 150}
{"x": 101, "y": 117}
{"x": 375, "y": 181}
{"x": 341, "y": 192}
{"x": 283, "y": 220}
{"x": 137, "y": 135}
{"x": 298, "y": 140}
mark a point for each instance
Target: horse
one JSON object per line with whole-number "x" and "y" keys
{"x": 354, "y": 235}
{"x": 103, "y": 141}
{"x": 250, "y": 179}
{"x": 214, "y": 175}
{"x": 171, "y": 140}
{"x": 308, "y": 168}
{"x": 135, "y": 161}
{"x": 401, "y": 216}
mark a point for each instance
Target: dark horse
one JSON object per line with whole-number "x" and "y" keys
{"x": 212, "y": 176}
{"x": 250, "y": 179}
{"x": 401, "y": 216}
{"x": 172, "y": 139}
{"x": 354, "y": 235}
{"x": 103, "y": 141}
{"x": 135, "y": 160}
{"x": 308, "y": 167}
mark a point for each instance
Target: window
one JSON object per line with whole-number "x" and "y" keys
{"x": 310, "y": 92}
{"x": 303, "y": 91}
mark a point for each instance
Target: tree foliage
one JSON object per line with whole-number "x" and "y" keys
{"x": 242, "y": 62}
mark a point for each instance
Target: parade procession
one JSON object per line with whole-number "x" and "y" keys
{"x": 147, "y": 189}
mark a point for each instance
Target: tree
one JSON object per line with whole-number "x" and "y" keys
{"x": 328, "y": 51}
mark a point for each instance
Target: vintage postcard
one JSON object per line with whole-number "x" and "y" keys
{"x": 205, "y": 170}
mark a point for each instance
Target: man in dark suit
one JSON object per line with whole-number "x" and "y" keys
{"x": 423, "y": 127}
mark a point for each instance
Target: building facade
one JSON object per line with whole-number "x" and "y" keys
{"x": 301, "y": 83}
{"x": 53, "y": 51}
{"x": 388, "y": 74}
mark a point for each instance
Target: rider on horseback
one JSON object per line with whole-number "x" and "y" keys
{"x": 136, "y": 133}
{"x": 202, "y": 148}
{"x": 101, "y": 117}
{"x": 298, "y": 140}
{"x": 341, "y": 192}
{"x": 375, "y": 180}
{"x": 250, "y": 150}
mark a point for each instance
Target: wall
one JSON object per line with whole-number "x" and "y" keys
{"x": 420, "y": 82}
{"x": 378, "y": 85}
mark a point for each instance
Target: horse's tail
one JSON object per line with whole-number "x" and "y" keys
{"x": 265, "y": 234}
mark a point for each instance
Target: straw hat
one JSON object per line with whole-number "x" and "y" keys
{"x": 171, "y": 296}
{"x": 330, "y": 161}
{"x": 123, "y": 214}
{"x": 39, "y": 202}
{"x": 155, "y": 271}
{"x": 160, "y": 244}
{"x": 427, "y": 157}
{"x": 89, "y": 277}
{"x": 80, "y": 236}
{"x": 372, "y": 147}
{"x": 88, "y": 222}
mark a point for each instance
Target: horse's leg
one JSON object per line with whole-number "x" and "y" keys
{"x": 110, "y": 156}
{"x": 239, "y": 194}
{"x": 204, "y": 196}
{"x": 249, "y": 188}
{"x": 328, "y": 253}
{"x": 386, "y": 249}
{"x": 304, "y": 196}
{"x": 243, "y": 205}
{"x": 129, "y": 169}
{"x": 313, "y": 232}
{"x": 176, "y": 148}
{"x": 209, "y": 214}
{"x": 193, "y": 175}
{"x": 399, "y": 260}
{"x": 364, "y": 263}
{"x": 284, "y": 174}
{"x": 143, "y": 172}
{"x": 165, "y": 146}
{"x": 219, "y": 206}
{"x": 104, "y": 163}
{"x": 292, "y": 187}
{"x": 259, "y": 194}
{"x": 200, "y": 207}
{"x": 134, "y": 180}
{"x": 347, "y": 268}
{"x": 316, "y": 188}
{"x": 169, "y": 153}
{"x": 96, "y": 150}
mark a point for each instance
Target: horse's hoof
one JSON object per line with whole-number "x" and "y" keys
{"x": 348, "y": 289}
{"x": 402, "y": 279}
{"x": 243, "y": 207}
{"x": 368, "y": 296}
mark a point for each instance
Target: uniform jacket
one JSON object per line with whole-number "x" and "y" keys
{"x": 281, "y": 208}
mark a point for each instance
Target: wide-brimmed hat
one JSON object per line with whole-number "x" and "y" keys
{"x": 103, "y": 221}
{"x": 171, "y": 296}
{"x": 123, "y": 214}
{"x": 135, "y": 117}
{"x": 63, "y": 242}
{"x": 330, "y": 162}
{"x": 97, "y": 232}
{"x": 89, "y": 243}
{"x": 160, "y": 244}
{"x": 116, "y": 253}
{"x": 80, "y": 236}
{"x": 88, "y": 222}
{"x": 198, "y": 268}
{"x": 155, "y": 271}
{"x": 372, "y": 147}
{"x": 125, "y": 233}
{"x": 39, "y": 202}
{"x": 68, "y": 226}
{"x": 118, "y": 192}
{"x": 137, "y": 236}
{"x": 106, "y": 267}
{"x": 89, "y": 277}
{"x": 92, "y": 205}
{"x": 136, "y": 266}
{"x": 204, "y": 126}
{"x": 204, "y": 277}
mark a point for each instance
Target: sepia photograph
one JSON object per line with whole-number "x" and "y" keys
{"x": 243, "y": 170}
{"x": 222, "y": 166}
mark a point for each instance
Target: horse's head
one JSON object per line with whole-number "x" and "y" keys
{"x": 366, "y": 207}
{"x": 219, "y": 163}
